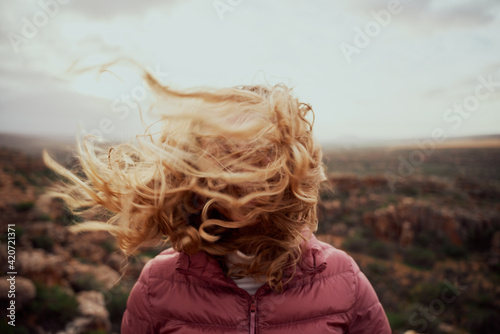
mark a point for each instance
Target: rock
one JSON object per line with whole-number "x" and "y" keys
{"x": 86, "y": 276}
{"x": 62, "y": 251}
{"x": 92, "y": 305}
{"x": 494, "y": 256}
{"x": 339, "y": 229}
{"x": 25, "y": 290}
{"x": 46, "y": 268}
{"x": 88, "y": 245}
{"x": 402, "y": 221}
{"x": 80, "y": 325}
{"x": 446, "y": 328}
{"x": 93, "y": 317}
{"x": 57, "y": 233}
{"x": 332, "y": 208}
{"x": 477, "y": 190}
{"x": 49, "y": 206}
{"x": 3, "y": 259}
{"x": 375, "y": 181}
{"x": 117, "y": 261}
{"x": 345, "y": 183}
{"x": 407, "y": 234}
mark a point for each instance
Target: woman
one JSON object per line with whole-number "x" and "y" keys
{"x": 231, "y": 181}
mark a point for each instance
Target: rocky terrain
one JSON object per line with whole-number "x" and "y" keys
{"x": 66, "y": 283}
{"x": 436, "y": 231}
{"x": 430, "y": 244}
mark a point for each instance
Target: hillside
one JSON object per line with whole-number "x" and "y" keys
{"x": 429, "y": 243}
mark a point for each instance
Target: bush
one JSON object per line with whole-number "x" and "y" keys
{"x": 426, "y": 292}
{"x": 480, "y": 239}
{"x": 44, "y": 217}
{"x": 419, "y": 258}
{"x": 54, "y": 304}
{"x": 408, "y": 190}
{"x": 87, "y": 282}
{"x": 354, "y": 244}
{"x": 5, "y": 328}
{"x": 419, "y": 320}
{"x": 24, "y": 206}
{"x": 453, "y": 251}
{"x": 68, "y": 217}
{"x": 108, "y": 246}
{"x": 380, "y": 249}
{"x": 19, "y": 232}
{"x": 43, "y": 242}
{"x": 116, "y": 303}
{"x": 378, "y": 274}
{"x": 20, "y": 185}
{"x": 423, "y": 240}
{"x": 396, "y": 320}
{"x": 482, "y": 320}
{"x": 376, "y": 269}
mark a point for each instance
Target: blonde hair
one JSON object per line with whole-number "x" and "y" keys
{"x": 232, "y": 169}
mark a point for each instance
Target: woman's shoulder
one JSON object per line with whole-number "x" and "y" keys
{"x": 162, "y": 265}
{"x": 337, "y": 261}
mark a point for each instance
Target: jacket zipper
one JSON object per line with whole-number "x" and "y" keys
{"x": 253, "y": 310}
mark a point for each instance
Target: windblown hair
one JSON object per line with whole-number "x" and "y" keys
{"x": 231, "y": 169}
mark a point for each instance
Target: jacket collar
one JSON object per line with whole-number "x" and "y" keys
{"x": 206, "y": 268}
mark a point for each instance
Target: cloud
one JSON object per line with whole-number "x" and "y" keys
{"x": 430, "y": 45}
{"x": 99, "y": 9}
{"x": 436, "y": 13}
{"x": 468, "y": 15}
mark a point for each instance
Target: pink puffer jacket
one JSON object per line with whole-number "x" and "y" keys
{"x": 178, "y": 293}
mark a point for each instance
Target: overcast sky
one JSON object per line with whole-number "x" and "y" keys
{"x": 370, "y": 69}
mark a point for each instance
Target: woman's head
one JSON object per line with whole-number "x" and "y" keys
{"x": 230, "y": 169}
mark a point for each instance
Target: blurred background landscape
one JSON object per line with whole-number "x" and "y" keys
{"x": 430, "y": 245}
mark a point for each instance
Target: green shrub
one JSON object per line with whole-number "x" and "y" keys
{"x": 482, "y": 320}
{"x": 426, "y": 292}
{"x": 87, "y": 281}
{"x": 44, "y": 242}
{"x": 479, "y": 240}
{"x": 354, "y": 244}
{"x": 451, "y": 250}
{"x": 20, "y": 185}
{"x": 68, "y": 217}
{"x": 441, "y": 245}
{"x": 54, "y": 303}
{"x": 43, "y": 217}
{"x": 380, "y": 249}
{"x": 419, "y": 258}
{"x": 24, "y": 206}
{"x": 366, "y": 232}
{"x": 116, "y": 303}
{"x": 19, "y": 231}
{"x": 108, "y": 246}
{"x": 377, "y": 268}
{"x": 408, "y": 190}
{"x": 350, "y": 220}
{"x": 5, "y": 328}
{"x": 419, "y": 320}
{"x": 397, "y": 320}
{"x": 423, "y": 240}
